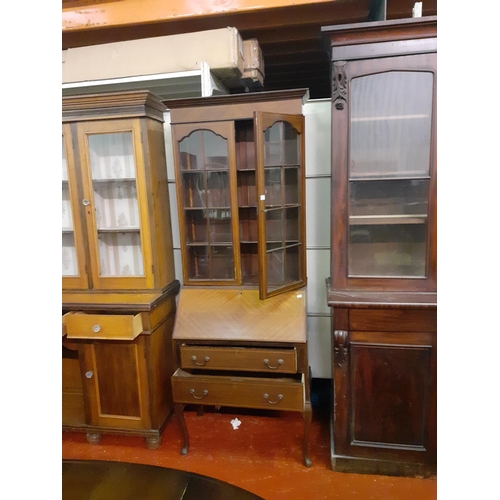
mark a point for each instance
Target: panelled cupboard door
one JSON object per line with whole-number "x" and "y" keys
{"x": 115, "y": 384}
{"x": 115, "y": 201}
{"x": 74, "y": 275}
{"x": 384, "y": 182}
{"x": 280, "y": 153}
{"x": 205, "y": 161}
{"x": 385, "y": 396}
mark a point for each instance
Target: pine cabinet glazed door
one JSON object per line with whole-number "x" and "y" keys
{"x": 74, "y": 275}
{"x": 115, "y": 204}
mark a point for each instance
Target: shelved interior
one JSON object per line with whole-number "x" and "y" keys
{"x": 212, "y": 249}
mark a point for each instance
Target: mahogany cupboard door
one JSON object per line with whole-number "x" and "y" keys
{"x": 280, "y": 153}
{"x": 385, "y": 395}
{"x": 74, "y": 273}
{"x": 115, "y": 384}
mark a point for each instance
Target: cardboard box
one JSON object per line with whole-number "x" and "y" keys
{"x": 253, "y": 62}
{"x": 221, "y": 49}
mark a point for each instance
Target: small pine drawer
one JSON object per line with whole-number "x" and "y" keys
{"x": 240, "y": 359}
{"x": 103, "y": 326}
{"x": 244, "y": 392}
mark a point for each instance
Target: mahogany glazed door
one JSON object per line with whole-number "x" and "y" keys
{"x": 280, "y": 145}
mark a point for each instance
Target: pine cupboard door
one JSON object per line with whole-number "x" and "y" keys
{"x": 205, "y": 162}
{"x": 115, "y": 384}
{"x": 280, "y": 153}
{"x": 74, "y": 275}
{"x": 384, "y": 174}
{"x": 115, "y": 201}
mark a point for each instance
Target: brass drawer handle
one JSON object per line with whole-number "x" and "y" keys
{"x": 266, "y": 397}
{"x": 194, "y": 358}
{"x": 280, "y": 362}
{"x": 205, "y": 392}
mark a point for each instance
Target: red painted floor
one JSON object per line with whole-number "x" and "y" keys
{"x": 262, "y": 456}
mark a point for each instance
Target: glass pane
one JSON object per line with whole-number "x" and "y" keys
{"x": 291, "y": 186}
{"x": 196, "y": 226}
{"x": 274, "y": 227}
{"x": 272, "y": 187}
{"x": 217, "y": 189}
{"x": 273, "y": 145}
{"x": 113, "y": 168}
{"x": 120, "y": 254}
{"x": 391, "y": 198}
{"x": 222, "y": 263}
{"x": 390, "y": 120}
{"x": 275, "y": 269}
{"x": 387, "y": 250}
{"x": 291, "y": 145}
{"x": 292, "y": 267}
{"x": 220, "y": 226}
{"x": 69, "y": 260}
{"x": 193, "y": 189}
{"x": 203, "y": 150}
{"x": 292, "y": 224}
{"x": 210, "y": 263}
{"x": 198, "y": 262}
{"x": 388, "y": 227}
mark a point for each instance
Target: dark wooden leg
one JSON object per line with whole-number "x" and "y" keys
{"x": 180, "y": 418}
{"x": 199, "y": 413}
{"x": 93, "y": 437}
{"x": 307, "y": 428}
{"x": 153, "y": 442}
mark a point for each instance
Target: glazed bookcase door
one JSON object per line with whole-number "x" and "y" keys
{"x": 281, "y": 202}
{"x": 388, "y": 175}
{"x": 115, "y": 204}
{"x": 207, "y": 202}
{"x": 74, "y": 274}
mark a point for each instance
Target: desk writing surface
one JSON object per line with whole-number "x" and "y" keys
{"x": 238, "y": 314}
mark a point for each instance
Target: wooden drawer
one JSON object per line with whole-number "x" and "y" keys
{"x": 240, "y": 359}
{"x": 243, "y": 392}
{"x": 103, "y": 326}
{"x": 395, "y": 320}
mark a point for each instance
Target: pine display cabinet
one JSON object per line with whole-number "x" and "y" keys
{"x": 119, "y": 289}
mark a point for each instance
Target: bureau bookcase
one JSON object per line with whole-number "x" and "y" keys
{"x": 240, "y": 331}
{"x": 118, "y": 299}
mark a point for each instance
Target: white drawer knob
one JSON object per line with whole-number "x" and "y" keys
{"x": 96, "y": 328}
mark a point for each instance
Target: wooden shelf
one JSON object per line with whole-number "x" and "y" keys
{"x": 372, "y": 220}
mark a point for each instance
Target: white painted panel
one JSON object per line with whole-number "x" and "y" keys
{"x": 178, "y": 264}
{"x": 174, "y": 216}
{"x": 319, "y": 346}
{"x": 318, "y": 212}
{"x": 169, "y": 152}
{"x": 318, "y": 269}
{"x": 318, "y": 123}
